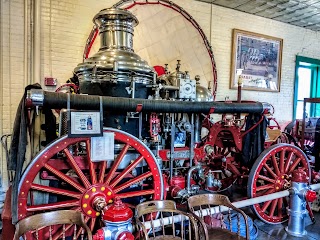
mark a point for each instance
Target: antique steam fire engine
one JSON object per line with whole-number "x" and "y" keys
{"x": 159, "y": 139}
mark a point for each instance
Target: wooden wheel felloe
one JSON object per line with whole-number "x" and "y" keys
{"x": 73, "y": 181}
{"x": 271, "y": 173}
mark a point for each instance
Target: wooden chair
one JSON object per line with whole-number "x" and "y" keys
{"x": 53, "y": 225}
{"x": 217, "y": 221}
{"x": 181, "y": 225}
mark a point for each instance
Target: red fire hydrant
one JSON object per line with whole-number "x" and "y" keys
{"x": 300, "y": 195}
{"x": 118, "y": 222}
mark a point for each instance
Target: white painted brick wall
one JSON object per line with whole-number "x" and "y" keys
{"x": 162, "y": 36}
{"x": 12, "y": 69}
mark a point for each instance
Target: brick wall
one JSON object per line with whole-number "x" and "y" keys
{"x": 162, "y": 36}
{"x": 12, "y": 70}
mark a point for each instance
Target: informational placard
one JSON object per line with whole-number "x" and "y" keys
{"x": 180, "y": 139}
{"x": 102, "y": 148}
{"x": 85, "y": 123}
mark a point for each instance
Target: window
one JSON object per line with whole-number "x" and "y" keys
{"x": 307, "y": 85}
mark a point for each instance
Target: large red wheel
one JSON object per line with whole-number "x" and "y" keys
{"x": 271, "y": 173}
{"x": 74, "y": 181}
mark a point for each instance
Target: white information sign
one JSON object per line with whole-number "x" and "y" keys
{"x": 102, "y": 148}
{"x": 85, "y": 123}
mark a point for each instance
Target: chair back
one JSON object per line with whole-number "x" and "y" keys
{"x": 165, "y": 221}
{"x": 53, "y": 225}
{"x": 215, "y": 210}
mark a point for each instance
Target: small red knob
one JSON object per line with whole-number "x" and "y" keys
{"x": 125, "y": 236}
{"x": 99, "y": 235}
{"x": 311, "y": 196}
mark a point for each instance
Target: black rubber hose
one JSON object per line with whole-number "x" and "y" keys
{"x": 92, "y": 102}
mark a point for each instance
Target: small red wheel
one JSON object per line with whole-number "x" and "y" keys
{"x": 271, "y": 173}
{"x": 225, "y": 168}
{"x": 73, "y": 181}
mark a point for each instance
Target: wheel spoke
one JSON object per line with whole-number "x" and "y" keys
{"x": 53, "y": 190}
{"x": 76, "y": 167}
{"x": 265, "y": 193}
{"x": 225, "y": 152}
{"x": 288, "y": 161}
{"x": 275, "y": 165}
{"x": 280, "y": 202}
{"x": 294, "y": 165}
{"x": 64, "y": 177}
{"x": 270, "y": 171}
{"x": 273, "y": 207}
{"x": 135, "y": 193}
{"x": 90, "y": 163}
{"x": 86, "y": 220}
{"x": 102, "y": 171}
{"x": 265, "y": 206}
{"x": 116, "y": 163}
{"x": 232, "y": 168}
{"x": 125, "y": 172}
{"x": 53, "y": 206}
{"x": 266, "y": 179}
{"x": 132, "y": 181}
{"x": 264, "y": 187}
{"x": 92, "y": 223}
{"x": 281, "y": 162}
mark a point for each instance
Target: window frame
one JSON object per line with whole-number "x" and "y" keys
{"x": 315, "y": 82}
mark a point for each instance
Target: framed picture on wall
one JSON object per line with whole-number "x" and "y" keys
{"x": 256, "y": 61}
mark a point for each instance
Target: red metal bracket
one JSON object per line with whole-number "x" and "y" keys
{"x": 211, "y": 110}
{"x": 139, "y": 107}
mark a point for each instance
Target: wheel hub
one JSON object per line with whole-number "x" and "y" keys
{"x": 282, "y": 183}
{"x": 93, "y": 198}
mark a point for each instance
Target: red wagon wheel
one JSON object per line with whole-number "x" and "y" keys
{"x": 271, "y": 173}
{"x": 227, "y": 167}
{"x": 76, "y": 181}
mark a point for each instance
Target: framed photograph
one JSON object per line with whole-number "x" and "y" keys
{"x": 256, "y": 61}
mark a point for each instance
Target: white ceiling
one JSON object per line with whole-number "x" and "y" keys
{"x": 302, "y": 13}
